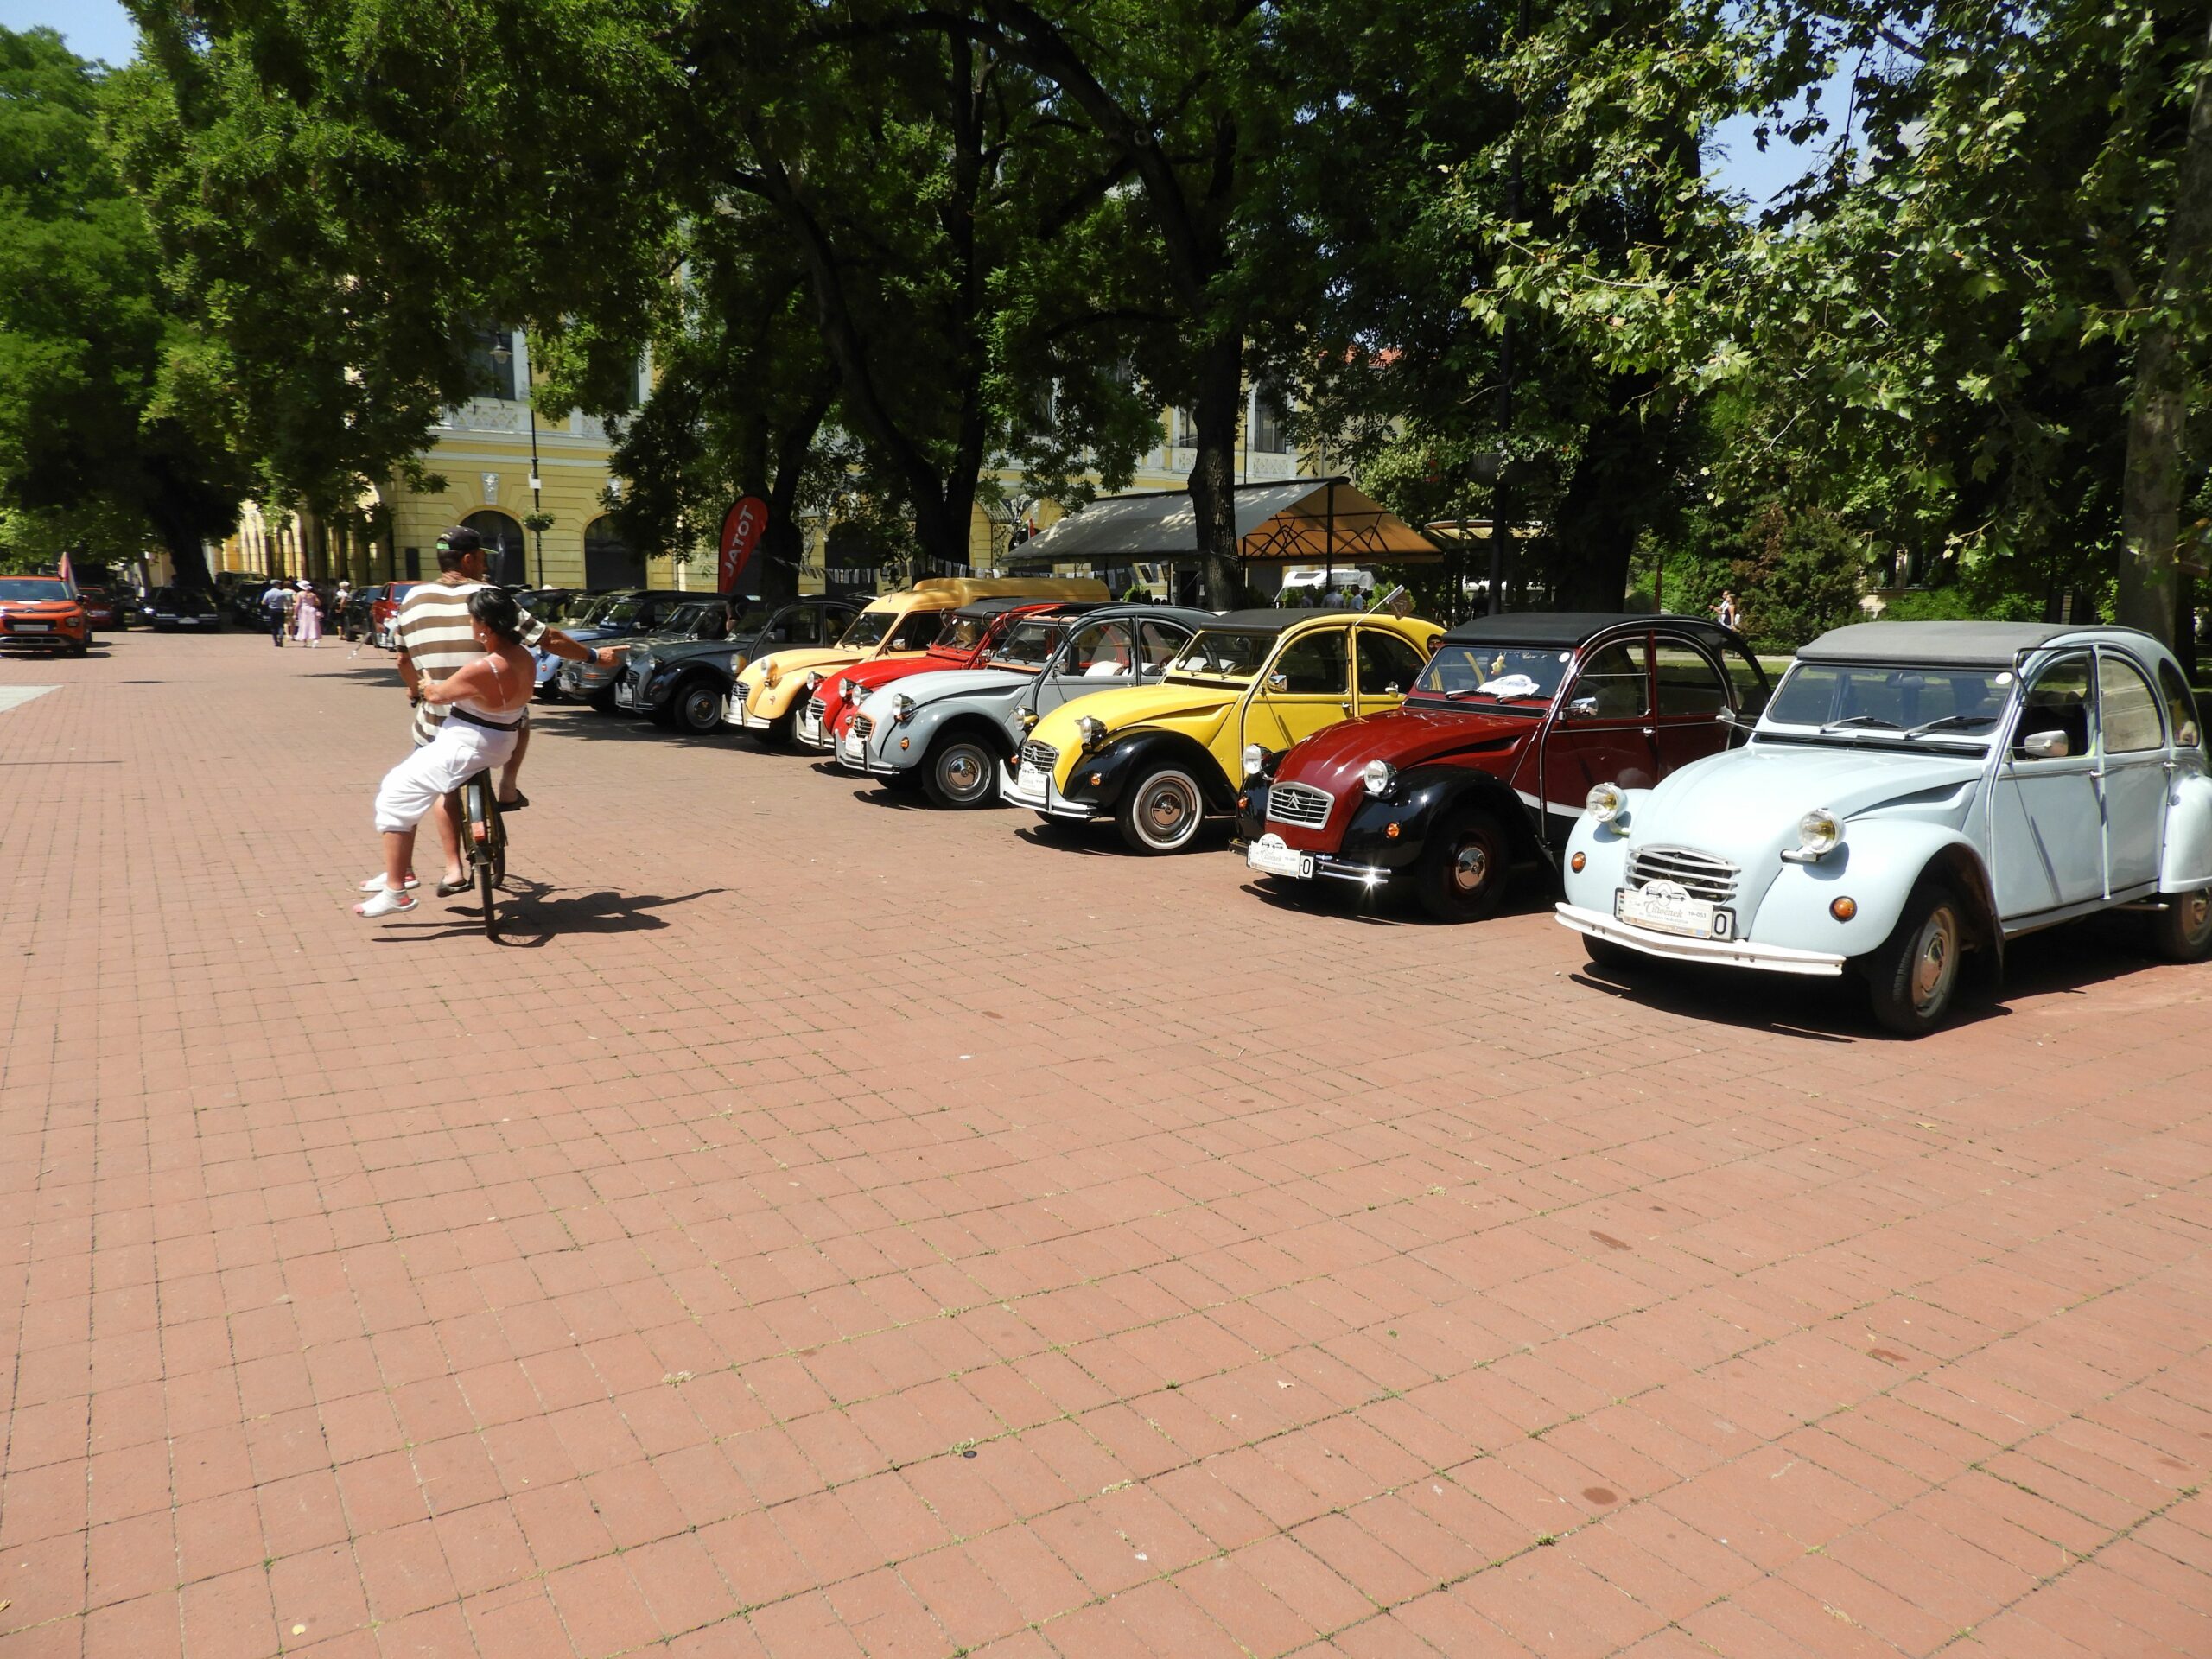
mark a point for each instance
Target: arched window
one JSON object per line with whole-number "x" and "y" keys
{"x": 503, "y": 546}
{"x": 608, "y": 561}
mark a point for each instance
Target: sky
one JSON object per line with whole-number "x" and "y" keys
{"x": 101, "y": 28}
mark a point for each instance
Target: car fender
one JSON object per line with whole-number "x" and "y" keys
{"x": 1878, "y": 864}
{"x": 1603, "y": 849}
{"x": 667, "y": 683}
{"x": 2186, "y": 864}
{"x": 929, "y": 726}
{"x": 1422, "y": 798}
{"x": 1132, "y": 754}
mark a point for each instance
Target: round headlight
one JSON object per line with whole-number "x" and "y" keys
{"x": 1606, "y": 803}
{"x": 771, "y": 673}
{"x": 739, "y": 662}
{"x": 1256, "y": 759}
{"x": 814, "y": 679}
{"x": 902, "y": 707}
{"x": 1818, "y": 831}
{"x": 1378, "y": 776}
{"x": 1092, "y": 730}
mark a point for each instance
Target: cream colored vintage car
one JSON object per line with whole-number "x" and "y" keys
{"x": 771, "y": 695}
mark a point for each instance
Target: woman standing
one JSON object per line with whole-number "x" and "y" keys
{"x": 307, "y": 619}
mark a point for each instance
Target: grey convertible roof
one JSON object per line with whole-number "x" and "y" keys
{"x": 1967, "y": 645}
{"x": 1568, "y": 628}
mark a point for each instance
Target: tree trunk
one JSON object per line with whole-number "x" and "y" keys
{"x": 1603, "y": 510}
{"x": 2151, "y": 493}
{"x": 1218, "y": 412}
{"x": 187, "y": 556}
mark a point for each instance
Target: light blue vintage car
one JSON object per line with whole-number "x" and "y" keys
{"x": 1916, "y": 792}
{"x": 951, "y": 731}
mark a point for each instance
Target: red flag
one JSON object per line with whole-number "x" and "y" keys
{"x": 68, "y": 574}
{"x": 741, "y": 528}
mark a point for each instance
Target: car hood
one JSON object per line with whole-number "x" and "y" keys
{"x": 1138, "y": 705}
{"x": 865, "y": 677}
{"x": 799, "y": 660}
{"x": 1333, "y": 757}
{"x": 962, "y": 682}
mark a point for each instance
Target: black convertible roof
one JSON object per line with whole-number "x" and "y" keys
{"x": 1017, "y": 601}
{"x": 1569, "y": 627}
{"x": 1270, "y": 621}
{"x": 1966, "y": 645}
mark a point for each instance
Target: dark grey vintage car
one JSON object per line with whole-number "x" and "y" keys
{"x": 951, "y": 731}
{"x": 685, "y": 682}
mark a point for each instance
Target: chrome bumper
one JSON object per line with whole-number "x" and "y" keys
{"x": 807, "y": 732}
{"x": 1676, "y": 947}
{"x": 1044, "y": 795}
{"x": 737, "y": 712}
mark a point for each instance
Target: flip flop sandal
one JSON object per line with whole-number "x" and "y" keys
{"x": 447, "y": 889}
{"x": 516, "y": 804}
{"x": 386, "y": 903}
{"x": 375, "y": 884}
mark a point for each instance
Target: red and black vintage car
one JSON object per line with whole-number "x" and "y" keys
{"x": 1489, "y": 763}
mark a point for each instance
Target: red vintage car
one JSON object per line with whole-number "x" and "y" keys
{"x": 1489, "y": 763}
{"x": 42, "y": 612}
{"x": 967, "y": 637}
{"x": 383, "y": 608}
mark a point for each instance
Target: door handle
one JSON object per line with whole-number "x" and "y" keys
{"x": 1650, "y": 731}
{"x": 1345, "y": 707}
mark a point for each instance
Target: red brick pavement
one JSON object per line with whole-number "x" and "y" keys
{"x": 831, "y": 1228}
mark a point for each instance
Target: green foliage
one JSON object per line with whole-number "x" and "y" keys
{"x": 1798, "y": 574}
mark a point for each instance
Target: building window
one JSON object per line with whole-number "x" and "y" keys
{"x": 1269, "y": 419}
{"x": 491, "y": 360}
{"x": 414, "y": 556}
{"x": 503, "y": 546}
{"x": 1186, "y": 430}
{"x": 608, "y": 561}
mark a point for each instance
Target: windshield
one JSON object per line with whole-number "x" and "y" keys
{"x": 22, "y": 589}
{"x": 868, "y": 628}
{"x": 1837, "y": 697}
{"x": 962, "y": 634}
{"x": 621, "y": 612}
{"x": 692, "y": 621}
{"x": 1030, "y": 645}
{"x": 1224, "y": 654}
{"x": 1494, "y": 677}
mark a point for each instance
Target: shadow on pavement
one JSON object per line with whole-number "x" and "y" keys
{"x": 530, "y": 915}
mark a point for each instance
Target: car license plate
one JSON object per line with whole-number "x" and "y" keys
{"x": 187, "y": 622}
{"x": 34, "y": 628}
{"x": 1666, "y": 907}
{"x": 1268, "y": 855}
{"x": 1032, "y": 781}
{"x": 852, "y": 749}
{"x": 624, "y": 695}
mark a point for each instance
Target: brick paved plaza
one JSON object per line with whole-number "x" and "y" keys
{"x": 830, "y": 1226}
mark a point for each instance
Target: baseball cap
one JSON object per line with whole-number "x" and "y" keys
{"x": 459, "y": 539}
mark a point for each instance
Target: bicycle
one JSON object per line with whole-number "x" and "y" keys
{"x": 484, "y": 843}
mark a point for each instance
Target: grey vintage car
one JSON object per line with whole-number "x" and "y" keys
{"x": 951, "y": 731}
{"x": 684, "y": 682}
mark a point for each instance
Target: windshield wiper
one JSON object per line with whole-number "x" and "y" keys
{"x": 1476, "y": 691}
{"x": 1860, "y": 720}
{"x": 1950, "y": 722}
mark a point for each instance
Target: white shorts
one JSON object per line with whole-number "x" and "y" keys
{"x": 458, "y": 752}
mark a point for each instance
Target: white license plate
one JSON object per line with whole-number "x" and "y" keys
{"x": 623, "y": 695}
{"x": 34, "y": 628}
{"x": 852, "y": 749}
{"x": 1672, "y": 911}
{"x": 1031, "y": 781}
{"x": 1268, "y": 855}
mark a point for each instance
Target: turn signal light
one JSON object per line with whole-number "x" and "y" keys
{"x": 1389, "y": 832}
{"x": 1097, "y": 778}
{"x": 1578, "y": 861}
{"x": 1843, "y": 909}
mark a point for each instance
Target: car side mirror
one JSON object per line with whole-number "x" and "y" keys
{"x": 1278, "y": 681}
{"x": 1582, "y": 708}
{"x": 2046, "y": 746}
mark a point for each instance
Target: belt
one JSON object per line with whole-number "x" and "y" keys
{"x": 458, "y": 713}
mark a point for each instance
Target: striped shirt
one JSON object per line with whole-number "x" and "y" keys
{"x": 433, "y": 628}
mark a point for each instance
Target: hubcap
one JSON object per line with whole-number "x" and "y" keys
{"x": 962, "y": 773}
{"x": 1935, "y": 959}
{"x": 704, "y": 707}
{"x": 1471, "y": 866}
{"x": 2196, "y": 912}
{"x": 1166, "y": 810}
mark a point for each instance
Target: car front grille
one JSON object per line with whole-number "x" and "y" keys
{"x": 1701, "y": 874}
{"x": 1296, "y": 803}
{"x": 863, "y": 728}
{"x": 1043, "y": 756}
{"x": 813, "y": 709}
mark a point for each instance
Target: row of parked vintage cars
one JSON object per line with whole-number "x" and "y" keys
{"x": 1908, "y": 799}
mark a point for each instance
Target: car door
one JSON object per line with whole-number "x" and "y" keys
{"x": 1306, "y": 685}
{"x": 2132, "y": 738}
{"x": 2046, "y": 816}
{"x": 1385, "y": 667}
{"x": 1604, "y": 733}
{"x": 1097, "y": 657}
{"x": 1159, "y": 643}
{"x": 1690, "y": 699}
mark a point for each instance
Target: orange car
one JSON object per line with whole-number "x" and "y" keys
{"x": 42, "y": 611}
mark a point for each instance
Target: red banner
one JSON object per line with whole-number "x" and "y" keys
{"x": 741, "y": 529}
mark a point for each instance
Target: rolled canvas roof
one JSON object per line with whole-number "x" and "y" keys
{"x": 1967, "y": 645}
{"x": 1301, "y": 521}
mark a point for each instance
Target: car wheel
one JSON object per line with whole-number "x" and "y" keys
{"x": 961, "y": 772}
{"x": 1466, "y": 868}
{"x": 2182, "y": 931}
{"x": 602, "y": 702}
{"x": 1611, "y": 959}
{"x": 1914, "y": 976}
{"x": 698, "y": 707}
{"x": 780, "y": 730}
{"x": 1162, "y": 812}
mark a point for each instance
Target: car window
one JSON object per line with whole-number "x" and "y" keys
{"x": 960, "y": 633}
{"x": 1388, "y": 664}
{"x": 1312, "y": 666}
{"x": 1689, "y": 683}
{"x": 1103, "y": 649}
{"x": 1748, "y": 677}
{"x": 916, "y": 630}
{"x": 1028, "y": 644}
{"x": 2127, "y": 709}
{"x": 2181, "y": 707}
{"x": 1162, "y": 642}
{"x": 2059, "y": 701}
{"x": 1613, "y": 679}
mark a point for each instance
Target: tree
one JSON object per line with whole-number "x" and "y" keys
{"x": 104, "y": 385}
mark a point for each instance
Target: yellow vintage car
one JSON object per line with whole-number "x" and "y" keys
{"x": 772, "y": 693}
{"x": 1160, "y": 760}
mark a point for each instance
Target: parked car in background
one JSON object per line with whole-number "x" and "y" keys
{"x": 953, "y": 731}
{"x": 771, "y": 694}
{"x": 182, "y": 608}
{"x": 704, "y": 620}
{"x": 356, "y": 617}
{"x": 238, "y": 595}
{"x": 964, "y": 639}
{"x": 1486, "y": 766}
{"x": 40, "y": 613}
{"x": 1160, "y": 760}
{"x": 631, "y": 614}
{"x": 686, "y": 683}
{"x": 1916, "y": 794}
{"x": 104, "y": 610}
{"x": 383, "y": 609}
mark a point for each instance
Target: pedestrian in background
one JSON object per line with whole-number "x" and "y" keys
{"x": 306, "y": 617}
{"x": 277, "y": 612}
{"x": 1725, "y": 613}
